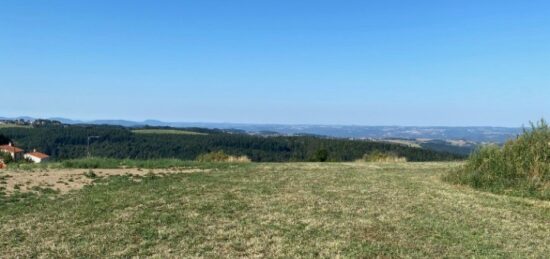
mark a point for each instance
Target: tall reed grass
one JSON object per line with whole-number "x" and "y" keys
{"x": 383, "y": 157}
{"x": 221, "y": 156}
{"x": 521, "y": 167}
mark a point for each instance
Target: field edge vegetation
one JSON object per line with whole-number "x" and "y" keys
{"x": 520, "y": 168}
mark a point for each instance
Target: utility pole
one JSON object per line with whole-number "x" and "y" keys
{"x": 88, "y": 148}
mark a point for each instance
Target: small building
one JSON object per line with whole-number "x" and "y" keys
{"x": 15, "y": 152}
{"x": 37, "y": 157}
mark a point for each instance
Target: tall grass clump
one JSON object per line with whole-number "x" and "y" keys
{"x": 384, "y": 157}
{"x": 521, "y": 167}
{"x": 221, "y": 156}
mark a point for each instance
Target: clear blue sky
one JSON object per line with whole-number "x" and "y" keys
{"x": 319, "y": 62}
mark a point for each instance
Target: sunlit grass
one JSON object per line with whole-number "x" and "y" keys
{"x": 277, "y": 210}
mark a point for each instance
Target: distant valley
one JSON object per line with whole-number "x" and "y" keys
{"x": 418, "y": 135}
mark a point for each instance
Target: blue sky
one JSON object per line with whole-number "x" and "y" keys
{"x": 454, "y": 63}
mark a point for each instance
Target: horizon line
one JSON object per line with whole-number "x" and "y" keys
{"x": 84, "y": 121}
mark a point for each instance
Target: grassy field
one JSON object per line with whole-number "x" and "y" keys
{"x": 167, "y": 131}
{"x": 273, "y": 210}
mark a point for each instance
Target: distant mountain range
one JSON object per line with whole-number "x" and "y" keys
{"x": 471, "y": 134}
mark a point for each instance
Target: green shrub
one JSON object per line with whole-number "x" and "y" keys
{"x": 521, "y": 167}
{"x": 6, "y": 157}
{"x": 90, "y": 174}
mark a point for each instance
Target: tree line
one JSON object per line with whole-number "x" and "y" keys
{"x": 71, "y": 141}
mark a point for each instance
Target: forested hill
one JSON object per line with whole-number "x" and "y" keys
{"x": 70, "y": 141}
{"x": 4, "y": 140}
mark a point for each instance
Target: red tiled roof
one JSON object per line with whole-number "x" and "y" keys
{"x": 10, "y": 149}
{"x": 38, "y": 155}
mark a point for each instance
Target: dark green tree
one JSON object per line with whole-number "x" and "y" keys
{"x": 4, "y": 140}
{"x": 320, "y": 155}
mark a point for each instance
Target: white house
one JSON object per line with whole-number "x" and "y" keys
{"x": 37, "y": 157}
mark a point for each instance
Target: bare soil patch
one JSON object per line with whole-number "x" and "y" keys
{"x": 65, "y": 180}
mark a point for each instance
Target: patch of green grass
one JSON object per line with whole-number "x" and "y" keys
{"x": 97, "y": 163}
{"x": 167, "y": 131}
{"x": 278, "y": 210}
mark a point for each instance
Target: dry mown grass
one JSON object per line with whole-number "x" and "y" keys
{"x": 278, "y": 210}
